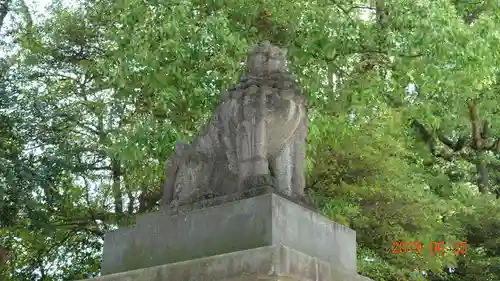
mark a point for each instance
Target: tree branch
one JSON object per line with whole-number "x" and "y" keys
{"x": 4, "y": 10}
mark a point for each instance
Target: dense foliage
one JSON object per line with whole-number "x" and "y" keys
{"x": 404, "y": 138}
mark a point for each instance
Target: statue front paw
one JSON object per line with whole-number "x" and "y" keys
{"x": 259, "y": 181}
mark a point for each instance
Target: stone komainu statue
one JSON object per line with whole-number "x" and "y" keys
{"x": 256, "y": 137}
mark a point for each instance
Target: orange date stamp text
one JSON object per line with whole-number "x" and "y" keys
{"x": 435, "y": 248}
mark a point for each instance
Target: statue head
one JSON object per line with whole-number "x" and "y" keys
{"x": 266, "y": 58}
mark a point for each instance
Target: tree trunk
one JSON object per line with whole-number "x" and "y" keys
{"x": 482, "y": 173}
{"x": 117, "y": 193}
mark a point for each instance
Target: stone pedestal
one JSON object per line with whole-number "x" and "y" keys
{"x": 273, "y": 263}
{"x": 266, "y": 237}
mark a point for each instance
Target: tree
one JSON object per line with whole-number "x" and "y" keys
{"x": 403, "y": 138}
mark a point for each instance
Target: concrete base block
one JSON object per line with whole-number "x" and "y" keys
{"x": 276, "y": 263}
{"x": 257, "y": 222}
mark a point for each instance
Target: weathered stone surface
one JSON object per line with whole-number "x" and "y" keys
{"x": 255, "y": 137}
{"x": 276, "y": 262}
{"x": 250, "y": 223}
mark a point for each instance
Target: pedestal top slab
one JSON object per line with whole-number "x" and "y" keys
{"x": 265, "y": 220}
